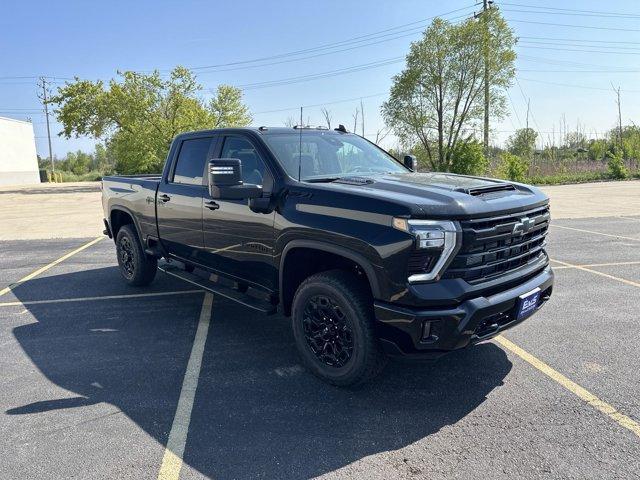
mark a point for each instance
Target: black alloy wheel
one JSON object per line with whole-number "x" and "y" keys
{"x": 127, "y": 257}
{"x": 327, "y": 332}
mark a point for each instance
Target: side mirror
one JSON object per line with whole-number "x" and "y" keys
{"x": 411, "y": 162}
{"x": 225, "y": 180}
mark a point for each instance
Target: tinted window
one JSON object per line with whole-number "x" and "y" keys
{"x": 191, "y": 161}
{"x": 252, "y": 165}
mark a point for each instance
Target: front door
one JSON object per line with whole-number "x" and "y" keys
{"x": 180, "y": 197}
{"x": 239, "y": 242}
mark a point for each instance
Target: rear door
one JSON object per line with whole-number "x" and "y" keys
{"x": 180, "y": 196}
{"x": 238, "y": 241}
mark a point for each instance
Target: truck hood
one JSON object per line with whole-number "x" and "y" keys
{"x": 446, "y": 195}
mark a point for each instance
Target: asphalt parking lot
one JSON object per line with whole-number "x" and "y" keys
{"x": 91, "y": 387}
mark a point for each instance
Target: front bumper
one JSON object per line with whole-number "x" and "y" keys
{"x": 403, "y": 332}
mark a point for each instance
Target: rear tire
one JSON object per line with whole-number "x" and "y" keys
{"x": 136, "y": 267}
{"x": 333, "y": 326}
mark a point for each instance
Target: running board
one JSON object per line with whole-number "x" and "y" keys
{"x": 247, "y": 300}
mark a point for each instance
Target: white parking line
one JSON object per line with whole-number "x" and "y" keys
{"x": 48, "y": 266}
{"x": 596, "y": 233}
{"x": 602, "y": 274}
{"x": 92, "y": 299}
{"x": 612, "y": 264}
{"x": 174, "y": 451}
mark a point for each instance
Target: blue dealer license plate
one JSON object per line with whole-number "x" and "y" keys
{"x": 527, "y": 303}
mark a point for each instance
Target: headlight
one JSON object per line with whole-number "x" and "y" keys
{"x": 438, "y": 237}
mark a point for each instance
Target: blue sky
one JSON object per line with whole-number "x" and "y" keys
{"x": 570, "y": 77}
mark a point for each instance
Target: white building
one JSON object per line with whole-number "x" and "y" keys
{"x": 18, "y": 160}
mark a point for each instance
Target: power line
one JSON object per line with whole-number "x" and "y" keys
{"x": 579, "y": 40}
{"x": 610, "y": 48}
{"x": 575, "y": 26}
{"x": 348, "y": 41}
{"x": 572, "y": 85}
{"x": 301, "y": 58}
{"x": 576, "y": 71}
{"x": 553, "y": 61}
{"x": 608, "y": 52}
{"x": 413, "y": 31}
{"x": 568, "y": 9}
{"x": 34, "y": 77}
{"x": 333, "y": 102}
{"x": 331, "y": 73}
{"x": 573, "y": 14}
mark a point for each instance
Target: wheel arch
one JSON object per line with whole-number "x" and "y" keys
{"x": 120, "y": 216}
{"x": 327, "y": 257}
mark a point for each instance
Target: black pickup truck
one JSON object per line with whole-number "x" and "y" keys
{"x": 370, "y": 258}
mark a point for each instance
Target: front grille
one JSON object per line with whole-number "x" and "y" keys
{"x": 490, "y": 248}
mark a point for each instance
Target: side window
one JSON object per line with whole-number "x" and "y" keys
{"x": 253, "y": 168}
{"x": 191, "y": 161}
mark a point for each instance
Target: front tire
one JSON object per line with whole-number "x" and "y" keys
{"x": 333, "y": 327}
{"x": 137, "y": 268}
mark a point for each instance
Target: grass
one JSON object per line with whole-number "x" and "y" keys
{"x": 568, "y": 178}
{"x": 63, "y": 176}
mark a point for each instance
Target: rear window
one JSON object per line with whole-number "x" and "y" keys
{"x": 191, "y": 161}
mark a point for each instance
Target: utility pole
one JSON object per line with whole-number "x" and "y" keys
{"x": 617, "y": 92}
{"x": 362, "y": 113}
{"x": 45, "y": 102}
{"x": 485, "y": 7}
{"x": 528, "y": 105}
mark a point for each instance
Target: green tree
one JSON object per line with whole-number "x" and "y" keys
{"x": 523, "y": 142}
{"x": 81, "y": 163}
{"x": 138, "y": 116}
{"x": 227, "y": 108}
{"x": 438, "y": 99}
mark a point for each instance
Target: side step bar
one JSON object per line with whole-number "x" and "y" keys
{"x": 254, "y": 303}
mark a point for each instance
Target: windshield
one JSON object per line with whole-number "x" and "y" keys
{"x": 326, "y": 155}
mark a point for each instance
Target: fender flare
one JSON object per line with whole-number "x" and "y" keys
{"x": 133, "y": 217}
{"x": 330, "y": 248}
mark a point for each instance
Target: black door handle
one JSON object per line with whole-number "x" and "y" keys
{"x": 212, "y": 205}
{"x": 164, "y": 198}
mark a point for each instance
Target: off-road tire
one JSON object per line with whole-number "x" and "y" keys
{"x": 353, "y": 299}
{"x": 136, "y": 267}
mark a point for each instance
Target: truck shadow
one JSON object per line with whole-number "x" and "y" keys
{"x": 257, "y": 413}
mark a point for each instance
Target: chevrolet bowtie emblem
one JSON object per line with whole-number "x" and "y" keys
{"x": 523, "y": 226}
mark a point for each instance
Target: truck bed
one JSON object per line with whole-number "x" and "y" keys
{"x": 135, "y": 194}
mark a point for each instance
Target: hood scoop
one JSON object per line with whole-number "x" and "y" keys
{"x": 355, "y": 180}
{"x": 487, "y": 189}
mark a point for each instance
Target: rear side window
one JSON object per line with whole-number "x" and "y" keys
{"x": 191, "y": 161}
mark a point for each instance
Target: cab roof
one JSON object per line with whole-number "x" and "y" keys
{"x": 270, "y": 130}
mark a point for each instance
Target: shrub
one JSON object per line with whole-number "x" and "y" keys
{"x": 468, "y": 158}
{"x": 597, "y": 149}
{"x": 513, "y": 167}
{"x": 617, "y": 168}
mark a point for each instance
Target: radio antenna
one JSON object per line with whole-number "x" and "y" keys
{"x": 300, "y": 147}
